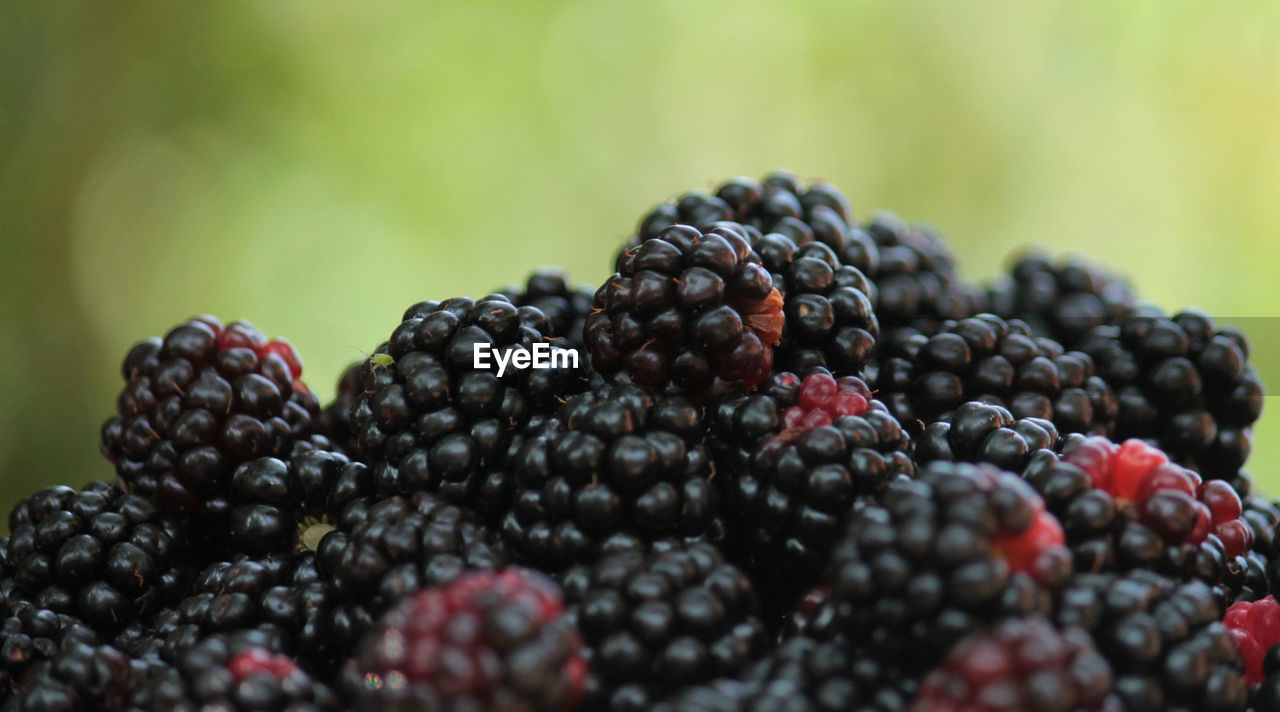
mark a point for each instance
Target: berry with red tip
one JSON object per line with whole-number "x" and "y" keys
{"x": 688, "y": 311}
{"x": 200, "y": 402}
{"x": 486, "y": 641}
{"x": 958, "y": 547}
{"x": 1020, "y": 664}
{"x": 792, "y": 460}
{"x": 1255, "y": 628}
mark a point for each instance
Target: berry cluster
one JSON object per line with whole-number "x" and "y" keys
{"x": 785, "y": 458}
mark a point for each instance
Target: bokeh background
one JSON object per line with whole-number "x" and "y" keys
{"x": 317, "y": 167}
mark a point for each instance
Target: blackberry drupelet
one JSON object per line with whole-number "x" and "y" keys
{"x": 405, "y": 545}
{"x": 488, "y": 641}
{"x": 1184, "y": 383}
{"x": 830, "y": 321}
{"x": 277, "y": 507}
{"x": 197, "y": 404}
{"x": 79, "y": 678}
{"x": 687, "y": 312}
{"x": 792, "y": 459}
{"x": 987, "y": 359}
{"x": 565, "y": 306}
{"x": 621, "y": 467}
{"x": 956, "y": 548}
{"x": 428, "y": 420}
{"x": 237, "y": 673}
{"x": 99, "y": 555}
{"x": 983, "y": 433}
{"x": 334, "y": 421}
{"x": 1127, "y": 506}
{"x": 1060, "y": 298}
{"x": 1167, "y": 649}
{"x": 804, "y": 675}
{"x": 654, "y": 623}
{"x": 781, "y": 204}
{"x": 1255, "y": 629}
{"x": 1020, "y": 664}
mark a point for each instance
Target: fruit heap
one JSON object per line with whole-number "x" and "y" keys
{"x": 783, "y": 458}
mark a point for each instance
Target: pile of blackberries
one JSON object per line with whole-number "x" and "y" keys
{"x": 782, "y": 459}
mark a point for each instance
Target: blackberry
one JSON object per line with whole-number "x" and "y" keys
{"x": 987, "y": 359}
{"x": 1255, "y": 628}
{"x": 287, "y": 601}
{"x": 654, "y": 623}
{"x": 1127, "y": 506}
{"x": 792, "y": 459}
{"x": 829, "y": 318}
{"x": 334, "y": 421}
{"x": 197, "y": 404}
{"x": 687, "y": 311}
{"x": 565, "y": 306}
{"x": 486, "y": 641}
{"x": 804, "y": 675}
{"x": 620, "y": 467}
{"x": 1167, "y": 649}
{"x": 427, "y": 419}
{"x": 957, "y": 547}
{"x": 1021, "y": 664}
{"x": 277, "y": 506}
{"x": 407, "y": 544}
{"x": 231, "y": 673}
{"x": 1182, "y": 382}
{"x": 918, "y": 287}
{"x": 1265, "y": 696}
{"x": 780, "y": 204}
{"x": 1062, "y": 299}
{"x": 99, "y": 555}
{"x": 31, "y": 635}
{"x": 982, "y": 433}
{"x": 79, "y": 678}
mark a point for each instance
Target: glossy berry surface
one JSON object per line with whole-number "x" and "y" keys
{"x": 688, "y": 311}
{"x": 485, "y": 641}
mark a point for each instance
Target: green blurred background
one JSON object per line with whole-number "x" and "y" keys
{"x": 317, "y": 167}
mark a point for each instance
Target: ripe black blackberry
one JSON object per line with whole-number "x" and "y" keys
{"x": 958, "y": 547}
{"x": 30, "y": 635}
{"x": 782, "y": 204}
{"x": 1127, "y": 506}
{"x": 1182, "y": 382}
{"x": 231, "y": 672}
{"x": 982, "y": 433}
{"x": 830, "y": 321}
{"x": 620, "y": 467}
{"x": 485, "y": 642}
{"x": 1163, "y": 639}
{"x": 1265, "y": 696}
{"x": 805, "y": 675}
{"x": 277, "y": 507}
{"x": 427, "y": 419}
{"x": 1062, "y": 298}
{"x": 687, "y": 312}
{"x": 566, "y": 306}
{"x": 198, "y": 403}
{"x": 987, "y": 359}
{"x": 653, "y": 623}
{"x": 918, "y": 287}
{"x": 792, "y": 459}
{"x": 407, "y": 544}
{"x": 334, "y": 421}
{"x": 80, "y": 677}
{"x": 99, "y": 555}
